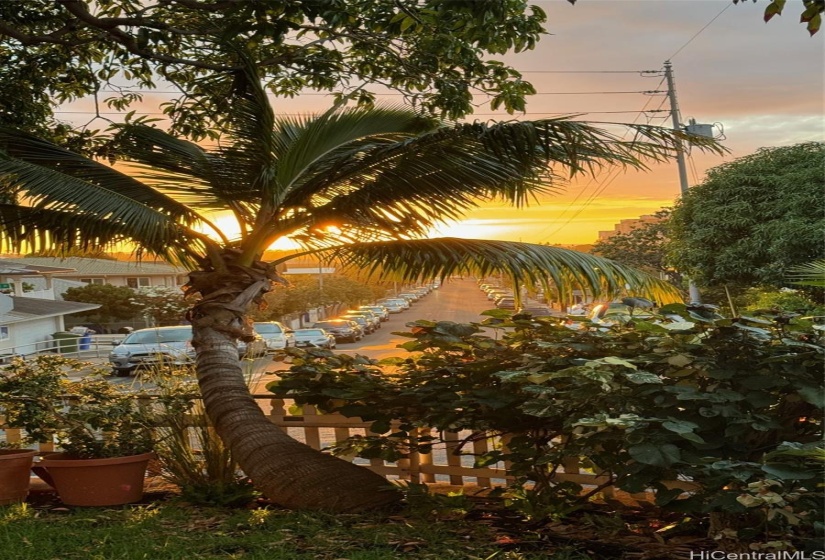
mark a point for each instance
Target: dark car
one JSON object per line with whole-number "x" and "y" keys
{"x": 342, "y": 330}
{"x": 365, "y": 324}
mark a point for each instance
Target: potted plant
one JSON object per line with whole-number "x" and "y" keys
{"x": 15, "y": 469}
{"x": 105, "y": 435}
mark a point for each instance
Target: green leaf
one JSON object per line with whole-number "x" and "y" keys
{"x": 380, "y": 426}
{"x": 617, "y": 361}
{"x": 641, "y": 377}
{"x": 813, "y": 395}
{"x": 679, "y": 426}
{"x": 785, "y": 472}
{"x": 657, "y": 455}
{"x": 680, "y": 360}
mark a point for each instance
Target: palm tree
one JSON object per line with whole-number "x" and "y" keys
{"x": 360, "y": 185}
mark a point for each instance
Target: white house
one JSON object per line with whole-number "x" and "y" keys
{"x": 53, "y": 275}
{"x": 27, "y": 324}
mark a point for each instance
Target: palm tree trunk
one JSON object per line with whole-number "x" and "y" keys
{"x": 287, "y": 471}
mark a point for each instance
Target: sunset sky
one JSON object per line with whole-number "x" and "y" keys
{"x": 763, "y": 83}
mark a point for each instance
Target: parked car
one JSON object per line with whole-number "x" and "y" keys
{"x": 380, "y": 310}
{"x": 374, "y": 319}
{"x": 151, "y": 347}
{"x": 393, "y": 303}
{"x": 506, "y": 302}
{"x": 169, "y": 346}
{"x": 342, "y": 329}
{"x": 318, "y": 338}
{"x": 275, "y": 334}
{"x": 365, "y": 324}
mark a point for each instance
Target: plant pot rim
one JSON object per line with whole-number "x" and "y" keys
{"x": 61, "y": 459}
{"x": 17, "y": 453}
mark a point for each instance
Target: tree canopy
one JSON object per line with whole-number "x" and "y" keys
{"x": 436, "y": 53}
{"x": 753, "y": 219}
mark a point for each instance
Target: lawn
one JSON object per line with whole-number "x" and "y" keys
{"x": 435, "y": 526}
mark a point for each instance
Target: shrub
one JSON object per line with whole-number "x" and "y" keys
{"x": 717, "y": 402}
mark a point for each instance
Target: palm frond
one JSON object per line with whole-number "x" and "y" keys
{"x": 187, "y": 172}
{"x": 410, "y": 184}
{"x": 25, "y": 229}
{"x": 336, "y": 136}
{"x": 809, "y": 274}
{"x": 98, "y": 180}
{"x": 550, "y": 267}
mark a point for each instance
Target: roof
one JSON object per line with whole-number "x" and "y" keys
{"x": 80, "y": 266}
{"x": 26, "y": 309}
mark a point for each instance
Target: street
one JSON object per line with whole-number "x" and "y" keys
{"x": 458, "y": 300}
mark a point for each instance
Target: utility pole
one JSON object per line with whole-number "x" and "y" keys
{"x": 693, "y": 290}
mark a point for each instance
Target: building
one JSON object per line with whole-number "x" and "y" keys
{"x": 49, "y": 277}
{"x": 624, "y": 227}
{"x": 28, "y": 325}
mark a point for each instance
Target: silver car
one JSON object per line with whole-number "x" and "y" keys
{"x": 275, "y": 334}
{"x": 152, "y": 347}
{"x": 318, "y": 338}
{"x": 169, "y": 346}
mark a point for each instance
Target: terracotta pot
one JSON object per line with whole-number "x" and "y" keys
{"x": 95, "y": 482}
{"x": 15, "y": 475}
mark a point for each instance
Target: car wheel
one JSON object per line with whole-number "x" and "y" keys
{"x": 121, "y": 372}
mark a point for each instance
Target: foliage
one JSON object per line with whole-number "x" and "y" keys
{"x": 753, "y": 219}
{"x": 437, "y": 55}
{"x": 704, "y": 399}
{"x": 645, "y": 248}
{"x": 305, "y": 291}
{"x": 811, "y": 12}
{"x": 116, "y": 302}
{"x": 783, "y": 300}
{"x": 191, "y": 454}
{"x": 89, "y": 418}
{"x": 165, "y": 305}
{"x": 809, "y": 274}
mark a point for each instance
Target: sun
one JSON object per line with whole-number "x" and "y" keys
{"x": 228, "y": 226}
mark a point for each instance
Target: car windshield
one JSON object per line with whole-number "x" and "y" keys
{"x": 331, "y": 324}
{"x": 159, "y": 336}
{"x": 267, "y": 328}
{"x": 309, "y": 332}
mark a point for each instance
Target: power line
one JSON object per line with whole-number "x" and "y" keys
{"x": 643, "y": 73}
{"x": 577, "y": 113}
{"x": 603, "y": 184}
{"x": 700, "y": 31}
{"x": 398, "y": 94}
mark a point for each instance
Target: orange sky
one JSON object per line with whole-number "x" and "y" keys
{"x": 765, "y": 84}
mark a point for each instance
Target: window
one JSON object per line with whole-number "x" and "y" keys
{"x": 98, "y": 281}
{"x": 138, "y": 282}
{"x": 4, "y": 333}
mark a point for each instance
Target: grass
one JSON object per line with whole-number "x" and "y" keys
{"x": 168, "y": 530}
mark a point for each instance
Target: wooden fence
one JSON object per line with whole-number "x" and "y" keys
{"x": 446, "y": 463}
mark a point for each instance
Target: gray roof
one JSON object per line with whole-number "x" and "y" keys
{"x": 83, "y": 266}
{"x": 31, "y": 308}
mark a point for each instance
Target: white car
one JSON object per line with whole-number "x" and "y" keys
{"x": 275, "y": 334}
